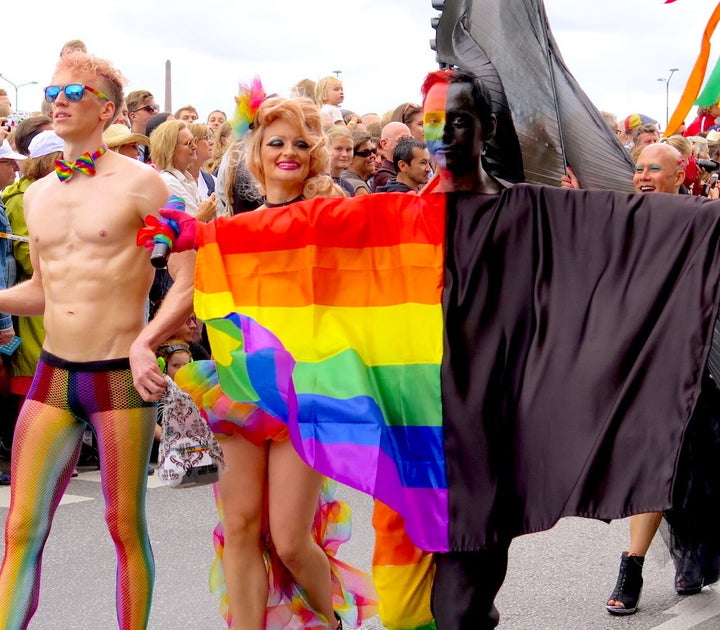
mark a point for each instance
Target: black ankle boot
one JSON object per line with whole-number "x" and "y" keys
{"x": 628, "y": 586}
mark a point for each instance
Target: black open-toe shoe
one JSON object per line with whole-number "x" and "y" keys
{"x": 628, "y": 586}
{"x": 339, "y": 623}
{"x": 689, "y": 576}
{"x": 688, "y": 588}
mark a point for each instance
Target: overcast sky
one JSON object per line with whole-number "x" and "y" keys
{"x": 617, "y": 49}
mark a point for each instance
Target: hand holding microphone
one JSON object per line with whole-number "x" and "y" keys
{"x": 173, "y": 231}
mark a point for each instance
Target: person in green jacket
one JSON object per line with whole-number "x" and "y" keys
{"x": 44, "y": 148}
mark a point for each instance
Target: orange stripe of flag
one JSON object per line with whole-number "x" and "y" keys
{"x": 378, "y": 276}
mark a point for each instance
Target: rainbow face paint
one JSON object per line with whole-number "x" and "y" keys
{"x": 434, "y": 121}
{"x": 455, "y": 131}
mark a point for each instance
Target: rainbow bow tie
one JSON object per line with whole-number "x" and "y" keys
{"x": 84, "y": 164}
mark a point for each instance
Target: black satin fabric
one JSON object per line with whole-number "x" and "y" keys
{"x": 537, "y": 101}
{"x": 577, "y": 325}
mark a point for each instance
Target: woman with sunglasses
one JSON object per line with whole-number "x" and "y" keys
{"x": 363, "y": 164}
{"x": 206, "y": 182}
{"x": 173, "y": 149}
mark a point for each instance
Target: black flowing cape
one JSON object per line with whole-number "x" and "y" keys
{"x": 577, "y": 326}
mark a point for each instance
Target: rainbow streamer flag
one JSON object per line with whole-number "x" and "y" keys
{"x": 354, "y": 295}
{"x": 711, "y": 92}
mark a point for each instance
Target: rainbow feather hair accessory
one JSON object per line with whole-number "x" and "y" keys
{"x": 247, "y": 103}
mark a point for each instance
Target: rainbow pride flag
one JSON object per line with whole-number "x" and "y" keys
{"x": 353, "y": 293}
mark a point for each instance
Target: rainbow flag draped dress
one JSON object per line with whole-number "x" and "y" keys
{"x": 353, "y": 295}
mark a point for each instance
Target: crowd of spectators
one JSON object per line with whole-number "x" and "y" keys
{"x": 205, "y": 165}
{"x": 202, "y": 163}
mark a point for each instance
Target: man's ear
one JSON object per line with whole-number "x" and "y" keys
{"x": 490, "y": 133}
{"x": 679, "y": 178}
{"x": 108, "y": 111}
{"x": 403, "y": 166}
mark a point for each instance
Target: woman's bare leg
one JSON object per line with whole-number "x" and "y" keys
{"x": 241, "y": 488}
{"x": 294, "y": 489}
{"x": 642, "y": 531}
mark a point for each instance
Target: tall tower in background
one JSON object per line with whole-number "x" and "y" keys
{"x": 168, "y": 86}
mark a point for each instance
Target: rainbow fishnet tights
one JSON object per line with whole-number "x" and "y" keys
{"x": 64, "y": 398}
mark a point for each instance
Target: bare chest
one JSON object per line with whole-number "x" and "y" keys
{"x": 91, "y": 213}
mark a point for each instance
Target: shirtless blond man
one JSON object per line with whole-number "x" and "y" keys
{"x": 98, "y": 364}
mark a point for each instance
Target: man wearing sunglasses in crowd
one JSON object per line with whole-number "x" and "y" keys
{"x": 141, "y": 106}
{"x": 98, "y": 365}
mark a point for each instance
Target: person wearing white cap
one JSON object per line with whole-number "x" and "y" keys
{"x": 45, "y": 143}
{"x": 98, "y": 366}
{"x": 8, "y": 164}
{"x": 44, "y": 148}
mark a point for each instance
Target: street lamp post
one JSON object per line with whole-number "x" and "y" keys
{"x": 667, "y": 95}
{"x": 17, "y": 87}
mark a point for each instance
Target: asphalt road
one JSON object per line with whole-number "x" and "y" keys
{"x": 557, "y": 580}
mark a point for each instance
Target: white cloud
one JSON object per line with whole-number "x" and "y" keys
{"x": 617, "y": 49}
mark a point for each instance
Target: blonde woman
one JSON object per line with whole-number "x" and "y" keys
{"x": 340, "y": 146}
{"x": 206, "y": 183}
{"x": 268, "y": 497}
{"x": 173, "y": 149}
{"x": 222, "y": 142}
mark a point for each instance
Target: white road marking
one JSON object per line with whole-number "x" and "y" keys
{"x": 94, "y": 475}
{"x": 693, "y": 610}
{"x": 67, "y": 498}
